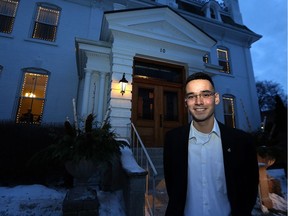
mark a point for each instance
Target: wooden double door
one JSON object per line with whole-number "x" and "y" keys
{"x": 157, "y": 106}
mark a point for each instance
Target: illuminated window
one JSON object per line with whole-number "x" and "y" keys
{"x": 229, "y": 110}
{"x": 8, "y": 10}
{"x": 32, "y": 97}
{"x": 46, "y": 22}
{"x": 223, "y": 60}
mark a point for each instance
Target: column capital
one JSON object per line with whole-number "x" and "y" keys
{"x": 88, "y": 70}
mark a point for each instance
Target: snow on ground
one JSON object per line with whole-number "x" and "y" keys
{"x": 32, "y": 200}
{"x": 38, "y": 200}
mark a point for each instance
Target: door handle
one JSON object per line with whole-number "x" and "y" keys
{"x": 161, "y": 121}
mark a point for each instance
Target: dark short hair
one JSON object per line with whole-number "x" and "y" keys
{"x": 199, "y": 75}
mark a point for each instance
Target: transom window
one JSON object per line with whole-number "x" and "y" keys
{"x": 229, "y": 110}
{"x": 46, "y": 22}
{"x": 8, "y": 10}
{"x": 223, "y": 60}
{"x": 157, "y": 71}
{"x": 32, "y": 97}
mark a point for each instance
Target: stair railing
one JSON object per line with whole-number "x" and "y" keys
{"x": 143, "y": 159}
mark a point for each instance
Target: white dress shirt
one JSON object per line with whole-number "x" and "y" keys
{"x": 206, "y": 189}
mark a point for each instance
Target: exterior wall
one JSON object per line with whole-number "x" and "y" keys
{"x": 19, "y": 50}
{"x": 83, "y": 19}
{"x": 241, "y": 81}
{"x": 237, "y": 85}
{"x": 128, "y": 42}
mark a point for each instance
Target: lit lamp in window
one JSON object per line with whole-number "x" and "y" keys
{"x": 123, "y": 83}
{"x": 30, "y": 94}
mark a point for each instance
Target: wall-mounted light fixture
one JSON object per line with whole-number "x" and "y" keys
{"x": 1, "y": 68}
{"x": 123, "y": 83}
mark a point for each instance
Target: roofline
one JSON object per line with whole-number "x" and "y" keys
{"x": 159, "y": 7}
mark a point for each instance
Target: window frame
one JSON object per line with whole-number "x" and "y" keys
{"x": 224, "y": 62}
{"x": 7, "y": 20}
{"x": 46, "y": 30}
{"x": 229, "y": 114}
{"x": 32, "y": 96}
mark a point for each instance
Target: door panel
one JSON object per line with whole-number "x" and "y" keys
{"x": 172, "y": 114}
{"x": 156, "y": 109}
{"x": 157, "y": 99}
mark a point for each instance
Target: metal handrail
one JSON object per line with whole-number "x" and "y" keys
{"x": 135, "y": 142}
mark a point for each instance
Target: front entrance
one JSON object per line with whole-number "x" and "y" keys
{"x": 157, "y": 100}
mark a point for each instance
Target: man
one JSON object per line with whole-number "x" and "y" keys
{"x": 209, "y": 168}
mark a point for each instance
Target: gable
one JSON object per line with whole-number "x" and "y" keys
{"x": 161, "y": 23}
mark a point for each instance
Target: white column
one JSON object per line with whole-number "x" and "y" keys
{"x": 101, "y": 96}
{"x": 85, "y": 100}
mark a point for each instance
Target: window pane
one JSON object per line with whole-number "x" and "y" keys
{"x": 223, "y": 60}
{"x": 156, "y": 71}
{"x": 212, "y": 13}
{"x": 44, "y": 32}
{"x": 31, "y": 101}
{"x": 8, "y": 7}
{"x": 171, "y": 106}
{"x": 225, "y": 66}
{"x": 145, "y": 104}
{"x": 48, "y": 16}
{"x": 46, "y": 22}
{"x": 25, "y": 110}
{"x": 7, "y": 15}
{"x": 228, "y": 121}
{"x": 30, "y": 111}
{"x": 229, "y": 111}
{"x": 222, "y": 54}
{"x": 6, "y": 24}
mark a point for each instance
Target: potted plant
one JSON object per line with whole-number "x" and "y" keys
{"x": 91, "y": 146}
{"x": 95, "y": 143}
{"x": 88, "y": 147}
{"x": 83, "y": 151}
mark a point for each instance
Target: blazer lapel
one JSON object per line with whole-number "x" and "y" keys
{"x": 226, "y": 139}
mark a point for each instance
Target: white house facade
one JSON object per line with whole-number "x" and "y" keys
{"x": 61, "y": 57}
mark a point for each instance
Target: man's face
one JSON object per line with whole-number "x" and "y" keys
{"x": 201, "y": 100}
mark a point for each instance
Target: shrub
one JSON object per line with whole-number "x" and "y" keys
{"x": 19, "y": 143}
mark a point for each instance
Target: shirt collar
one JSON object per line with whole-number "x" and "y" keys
{"x": 214, "y": 130}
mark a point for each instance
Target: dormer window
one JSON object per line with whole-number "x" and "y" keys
{"x": 212, "y": 10}
{"x": 212, "y": 13}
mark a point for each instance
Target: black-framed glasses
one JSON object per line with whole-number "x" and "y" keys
{"x": 204, "y": 95}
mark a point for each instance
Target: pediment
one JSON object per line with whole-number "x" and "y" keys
{"x": 161, "y": 23}
{"x": 162, "y": 28}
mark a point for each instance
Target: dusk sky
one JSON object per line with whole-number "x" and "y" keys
{"x": 269, "y": 54}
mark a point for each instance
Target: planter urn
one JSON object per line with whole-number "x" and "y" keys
{"x": 81, "y": 199}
